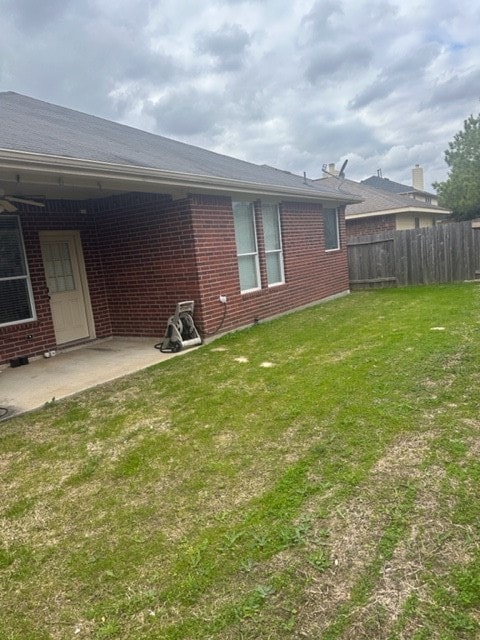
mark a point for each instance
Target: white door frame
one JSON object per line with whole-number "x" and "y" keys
{"x": 74, "y": 236}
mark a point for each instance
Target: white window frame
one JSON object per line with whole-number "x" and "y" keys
{"x": 25, "y": 277}
{"x": 337, "y": 229}
{"x": 251, "y": 253}
{"x": 278, "y": 251}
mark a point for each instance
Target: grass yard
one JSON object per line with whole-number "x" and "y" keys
{"x": 314, "y": 477}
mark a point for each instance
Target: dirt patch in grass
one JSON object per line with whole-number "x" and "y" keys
{"x": 433, "y": 541}
{"x": 400, "y": 575}
{"x": 228, "y": 493}
{"x": 430, "y": 540}
{"x": 404, "y": 457}
{"x": 473, "y": 441}
{"x": 354, "y": 533}
{"x": 343, "y": 546}
{"x": 344, "y": 354}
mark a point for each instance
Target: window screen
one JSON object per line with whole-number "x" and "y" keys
{"x": 15, "y": 290}
{"x": 273, "y": 243}
{"x": 247, "y": 251}
{"x": 330, "y": 224}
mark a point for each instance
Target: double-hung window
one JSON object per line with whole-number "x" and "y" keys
{"x": 247, "y": 248}
{"x": 273, "y": 244}
{"x": 16, "y": 300}
{"x": 331, "y": 231}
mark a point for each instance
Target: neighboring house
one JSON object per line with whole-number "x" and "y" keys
{"x": 104, "y": 228}
{"x": 384, "y": 210}
{"x": 416, "y": 191}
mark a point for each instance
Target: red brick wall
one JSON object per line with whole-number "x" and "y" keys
{"x": 186, "y": 250}
{"x": 370, "y": 225}
{"x": 144, "y": 253}
{"x": 140, "y": 261}
{"x": 311, "y": 273}
{"x": 58, "y": 215}
{"x": 215, "y": 255}
{"x": 149, "y": 263}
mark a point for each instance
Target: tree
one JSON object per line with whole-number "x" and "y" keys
{"x": 461, "y": 191}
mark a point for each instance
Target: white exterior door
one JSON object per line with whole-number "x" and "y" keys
{"x": 65, "y": 275}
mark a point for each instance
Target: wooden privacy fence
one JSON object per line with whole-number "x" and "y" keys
{"x": 444, "y": 253}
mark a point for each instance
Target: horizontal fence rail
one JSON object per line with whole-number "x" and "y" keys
{"x": 447, "y": 252}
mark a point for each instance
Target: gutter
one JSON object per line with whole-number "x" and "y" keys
{"x": 96, "y": 170}
{"x": 388, "y": 212}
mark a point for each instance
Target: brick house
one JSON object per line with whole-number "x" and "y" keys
{"x": 104, "y": 228}
{"x": 415, "y": 191}
{"x": 382, "y": 208}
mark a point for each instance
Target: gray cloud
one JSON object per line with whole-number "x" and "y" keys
{"x": 84, "y": 55}
{"x": 329, "y": 62}
{"x": 320, "y": 19}
{"x": 457, "y": 87}
{"x": 185, "y": 112}
{"x": 337, "y": 139}
{"x": 406, "y": 73}
{"x": 291, "y": 84}
{"x": 234, "y": 2}
{"x": 31, "y": 16}
{"x": 227, "y": 45}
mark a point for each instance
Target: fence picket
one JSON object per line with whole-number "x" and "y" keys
{"x": 445, "y": 253}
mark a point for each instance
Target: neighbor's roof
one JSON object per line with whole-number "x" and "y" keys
{"x": 390, "y": 185}
{"x": 377, "y": 201}
{"x": 30, "y": 126}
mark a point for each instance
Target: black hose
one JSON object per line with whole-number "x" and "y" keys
{"x": 217, "y": 329}
{"x": 3, "y": 411}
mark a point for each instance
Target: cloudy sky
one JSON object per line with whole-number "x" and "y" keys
{"x": 292, "y": 83}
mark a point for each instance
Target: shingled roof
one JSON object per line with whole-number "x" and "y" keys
{"x": 47, "y": 130}
{"x": 378, "y": 201}
{"x": 389, "y": 185}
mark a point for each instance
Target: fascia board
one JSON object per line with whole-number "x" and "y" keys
{"x": 49, "y": 164}
{"x": 389, "y": 212}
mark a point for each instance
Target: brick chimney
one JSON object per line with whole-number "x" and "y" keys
{"x": 417, "y": 178}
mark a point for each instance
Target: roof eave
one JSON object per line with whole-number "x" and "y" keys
{"x": 389, "y": 212}
{"x": 83, "y": 168}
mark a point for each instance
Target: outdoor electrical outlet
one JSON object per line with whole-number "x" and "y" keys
{"x": 223, "y": 299}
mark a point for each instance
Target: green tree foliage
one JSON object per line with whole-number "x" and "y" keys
{"x": 461, "y": 191}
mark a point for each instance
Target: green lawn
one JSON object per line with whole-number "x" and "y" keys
{"x": 313, "y": 477}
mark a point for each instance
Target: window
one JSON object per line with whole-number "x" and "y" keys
{"x": 247, "y": 250}
{"x": 58, "y": 267}
{"x": 16, "y": 301}
{"x": 330, "y": 225}
{"x": 273, "y": 244}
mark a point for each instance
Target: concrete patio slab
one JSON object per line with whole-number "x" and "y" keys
{"x": 71, "y": 371}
